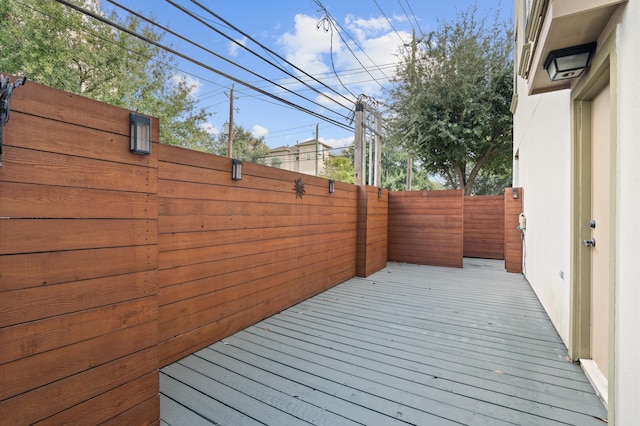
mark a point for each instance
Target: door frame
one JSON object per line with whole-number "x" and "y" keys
{"x": 603, "y": 71}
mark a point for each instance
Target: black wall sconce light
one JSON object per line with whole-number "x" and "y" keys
{"x": 236, "y": 169}
{"x": 140, "y": 134}
{"x": 379, "y": 192}
{"x": 570, "y": 62}
{"x": 332, "y": 186}
{"x": 514, "y": 193}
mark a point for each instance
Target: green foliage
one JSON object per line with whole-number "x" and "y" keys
{"x": 339, "y": 168}
{"x": 450, "y": 106}
{"x": 57, "y": 46}
{"x": 246, "y": 147}
{"x": 394, "y": 170}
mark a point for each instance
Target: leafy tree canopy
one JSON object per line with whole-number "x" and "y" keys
{"x": 450, "y": 105}
{"x": 246, "y": 147}
{"x": 394, "y": 170}
{"x": 339, "y": 168}
{"x": 57, "y": 46}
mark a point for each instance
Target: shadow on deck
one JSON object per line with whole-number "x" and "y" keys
{"x": 410, "y": 344}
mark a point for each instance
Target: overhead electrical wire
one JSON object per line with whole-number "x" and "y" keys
{"x": 147, "y": 57}
{"x": 389, "y": 21}
{"x": 201, "y": 64}
{"x": 414, "y": 17}
{"x": 406, "y": 15}
{"x": 269, "y": 50}
{"x": 201, "y": 20}
{"x": 339, "y": 30}
{"x": 217, "y": 55}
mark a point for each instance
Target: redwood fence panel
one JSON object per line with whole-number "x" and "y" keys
{"x": 235, "y": 252}
{"x": 484, "y": 226}
{"x": 114, "y": 264}
{"x": 426, "y": 227}
{"x": 78, "y": 261}
{"x": 373, "y": 223}
{"x": 512, "y": 236}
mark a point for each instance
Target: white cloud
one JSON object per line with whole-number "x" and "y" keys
{"x": 310, "y": 47}
{"x": 210, "y": 128}
{"x": 337, "y": 143}
{"x": 233, "y": 47}
{"x": 258, "y": 131}
{"x": 363, "y": 28}
{"x": 307, "y": 46}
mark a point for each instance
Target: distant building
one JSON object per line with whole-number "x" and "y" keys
{"x": 302, "y": 157}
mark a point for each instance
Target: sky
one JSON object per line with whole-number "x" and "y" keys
{"x": 342, "y": 49}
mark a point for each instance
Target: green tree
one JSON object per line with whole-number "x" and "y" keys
{"x": 394, "y": 170}
{"x": 450, "y": 104}
{"x": 60, "y": 47}
{"x": 246, "y": 147}
{"x": 339, "y": 168}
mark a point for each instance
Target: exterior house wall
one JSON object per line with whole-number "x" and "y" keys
{"x": 301, "y": 157}
{"x": 282, "y": 158}
{"x": 627, "y": 298}
{"x": 542, "y": 139}
{"x": 549, "y": 142}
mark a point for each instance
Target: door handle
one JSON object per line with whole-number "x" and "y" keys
{"x": 589, "y": 243}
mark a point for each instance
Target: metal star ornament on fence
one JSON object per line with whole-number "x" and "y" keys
{"x": 298, "y": 186}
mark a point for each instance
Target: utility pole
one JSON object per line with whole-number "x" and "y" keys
{"x": 377, "y": 171}
{"x": 317, "y": 152}
{"x": 370, "y": 174}
{"x": 359, "y": 156}
{"x": 409, "y": 171}
{"x": 230, "y": 146}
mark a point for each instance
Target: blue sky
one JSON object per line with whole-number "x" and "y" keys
{"x": 374, "y": 31}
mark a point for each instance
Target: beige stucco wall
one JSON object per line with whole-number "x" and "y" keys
{"x": 627, "y": 298}
{"x": 542, "y": 136}
{"x": 543, "y": 140}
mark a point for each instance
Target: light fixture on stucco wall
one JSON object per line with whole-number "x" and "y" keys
{"x": 570, "y": 62}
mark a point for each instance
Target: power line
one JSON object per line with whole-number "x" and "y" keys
{"x": 405, "y": 14}
{"x": 217, "y": 55}
{"x": 106, "y": 40}
{"x": 270, "y": 51}
{"x": 389, "y": 21}
{"x": 201, "y": 64}
{"x": 335, "y": 23}
{"x": 414, "y": 17}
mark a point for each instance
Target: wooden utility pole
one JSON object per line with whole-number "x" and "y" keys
{"x": 377, "y": 171}
{"x": 230, "y": 146}
{"x": 317, "y": 152}
{"x": 409, "y": 171}
{"x": 359, "y": 156}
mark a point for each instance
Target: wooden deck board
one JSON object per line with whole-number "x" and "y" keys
{"x": 408, "y": 345}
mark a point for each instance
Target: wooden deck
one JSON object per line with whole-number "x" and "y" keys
{"x": 411, "y": 344}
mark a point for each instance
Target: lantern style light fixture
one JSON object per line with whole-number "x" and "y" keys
{"x": 236, "y": 169}
{"x": 379, "y": 192}
{"x": 332, "y": 186}
{"x": 570, "y": 62}
{"x": 140, "y": 134}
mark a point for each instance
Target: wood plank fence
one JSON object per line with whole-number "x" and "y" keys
{"x": 483, "y": 226}
{"x": 513, "y": 237}
{"x": 78, "y": 265}
{"x": 426, "y": 227}
{"x": 373, "y": 224}
{"x": 113, "y": 264}
{"x": 234, "y": 252}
